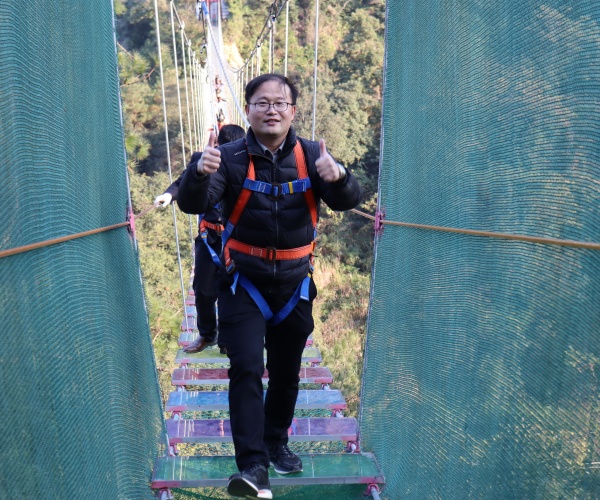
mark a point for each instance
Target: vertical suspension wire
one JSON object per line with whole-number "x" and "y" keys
{"x": 166, "y": 124}
{"x": 178, "y": 85}
{"x": 236, "y": 89}
{"x": 185, "y": 82}
{"x": 259, "y": 61}
{"x": 199, "y": 100}
{"x": 243, "y": 96}
{"x": 271, "y": 45}
{"x": 193, "y": 95}
{"x": 287, "y": 22}
{"x": 314, "y": 104}
{"x": 202, "y": 83}
{"x": 198, "y": 95}
{"x": 203, "y": 90}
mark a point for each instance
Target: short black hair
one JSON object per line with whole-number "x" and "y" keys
{"x": 253, "y": 85}
{"x": 230, "y": 133}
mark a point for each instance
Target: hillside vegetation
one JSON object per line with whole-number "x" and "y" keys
{"x": 348, "y": 117}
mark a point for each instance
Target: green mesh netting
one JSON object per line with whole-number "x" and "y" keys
{"x": 80, "y": 407}
{"x": 483, "y": 355}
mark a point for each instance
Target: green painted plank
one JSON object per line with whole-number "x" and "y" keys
{"x": 327, "y": 468}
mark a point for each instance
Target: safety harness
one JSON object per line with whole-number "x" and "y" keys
{"x": 202, "y": 229}
{"x": 270, "y": 254}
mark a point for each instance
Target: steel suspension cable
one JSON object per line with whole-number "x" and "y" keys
{"x": 181, "y": 24}
{"x": 314, "y": 103}
{"x": 287, "y": 21}
{"x": 164, "y": 102}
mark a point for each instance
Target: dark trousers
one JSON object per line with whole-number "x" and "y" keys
{"x": 206, "y": 289}
{"x": 244, "y": 332}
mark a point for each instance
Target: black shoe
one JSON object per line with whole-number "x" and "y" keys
{"x": 252, "y": 482}
{"x": 283, "y": 460}
{"x": 199, "y": 345}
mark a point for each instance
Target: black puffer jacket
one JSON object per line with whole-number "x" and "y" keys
{"x": 283, "y": 223}
{"x": 213, "y": 214}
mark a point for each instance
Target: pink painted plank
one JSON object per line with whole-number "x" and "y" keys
{"x": 208, "y": 376}
{"x": 302, "y": 429}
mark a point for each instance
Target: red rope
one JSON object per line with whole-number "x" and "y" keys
{"x": 41, "y": 244}
{"x": 490, "y": 234}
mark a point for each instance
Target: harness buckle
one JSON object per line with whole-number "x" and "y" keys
{"x": 230, "y": 266}
{"x": 276, "y": 191}
{"x": 270, "y": 254}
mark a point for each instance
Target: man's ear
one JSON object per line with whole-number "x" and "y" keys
{"x": 246, "y": 109}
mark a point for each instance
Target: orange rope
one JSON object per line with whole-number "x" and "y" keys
{"x": 490, "y": 234}
{"x": 34, "y": 246}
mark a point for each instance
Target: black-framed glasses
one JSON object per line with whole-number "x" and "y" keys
{"x": 265, "y": 106}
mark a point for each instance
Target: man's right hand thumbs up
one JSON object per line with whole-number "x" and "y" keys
{"x": 210, "y": 161}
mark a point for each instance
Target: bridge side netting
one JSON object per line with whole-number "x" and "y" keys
{"x": 81, "y": 410}
{"x": 483, "y": 356}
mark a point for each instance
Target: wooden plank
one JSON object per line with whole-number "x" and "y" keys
{"x": 188, "y": 323}
{"x": 326, "y": 468}
{"x": 212, "y": 355}
{"x": 302, "y": 429}
{"x": 219, "y": 400}
{"x": 218, "y": 376}
{"x": 187, "y": 337}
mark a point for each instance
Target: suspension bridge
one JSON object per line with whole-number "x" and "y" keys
{"x": 480, "y": 372}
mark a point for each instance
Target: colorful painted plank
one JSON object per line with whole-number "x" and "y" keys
{"x": 212, "y": 355}
{"x": 190, "y": 311}
{"x": 218, "y": 400}
{"x": 218, "y": 376}
{"x": 188, "y": 323}
{"x": 190, "y": 300}
{"x": 327, "y": 468}
{"x": 187, "y": 337}
{"x": 302, "y": 429}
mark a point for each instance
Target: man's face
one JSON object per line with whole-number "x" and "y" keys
{"x": 271, "y": 125}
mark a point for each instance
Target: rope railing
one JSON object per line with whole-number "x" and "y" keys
{"x": 62, "y": 239}
{"x": 473, "y": 232}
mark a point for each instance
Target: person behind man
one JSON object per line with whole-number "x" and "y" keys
{"x": 269, "y": 187}
{"x": 207, "y": 250}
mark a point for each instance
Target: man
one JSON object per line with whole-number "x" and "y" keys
{"x": 207, "y": 249}
{"x": 269, "y": 187}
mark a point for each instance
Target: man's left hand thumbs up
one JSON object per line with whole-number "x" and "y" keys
{"x": 327, "y": 168}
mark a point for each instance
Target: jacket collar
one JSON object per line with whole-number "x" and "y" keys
{"x": 254, "y": 148}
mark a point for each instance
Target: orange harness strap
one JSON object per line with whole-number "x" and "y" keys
{"x": 270, "y": 254}
{"x": 209, "y": 225}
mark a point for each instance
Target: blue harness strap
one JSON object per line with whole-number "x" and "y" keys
{"x": 301, "y": 293}
{"x": 274, "y": 191}
{"x": 204, "y": 235}
{"x": 277, "y": 190}
{"x": 213, "y": 254}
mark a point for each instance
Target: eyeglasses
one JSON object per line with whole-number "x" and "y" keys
{"x": 265, "y": 106}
